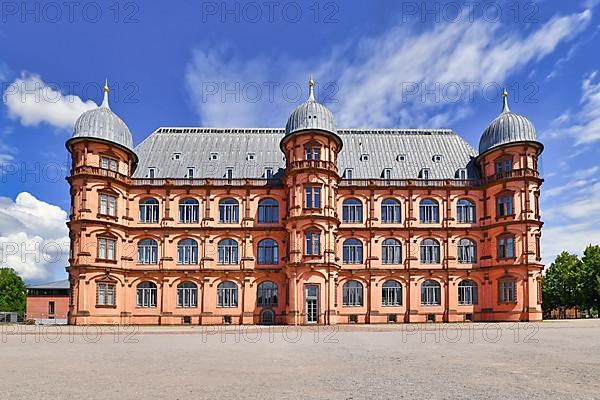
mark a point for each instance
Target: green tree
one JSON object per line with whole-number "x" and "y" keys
{"x": 561, "y": 285}
{"x": 590, "y": 278}
{"x": 13, "y": 292}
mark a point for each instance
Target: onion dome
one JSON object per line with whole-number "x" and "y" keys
{"x": 103, "y": 124}
{"x": 311, "y": 115}
{"x": 508, "y": 127}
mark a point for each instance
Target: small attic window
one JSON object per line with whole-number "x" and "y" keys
{"x": 250, "y": 156}
{"x": 387, "y": 174}
{"x": 213, "y": 156}
{"x": 437, "y": 158}
{"x": 424, "y": 173}
{"x": 191, "y": 172}
{"x": 176, "y": 156}
{"x": 151, "y": 172}
{"x": 364, "y": 157}
{"x": 401, "y": 157}
{"x": 461, "y": 173}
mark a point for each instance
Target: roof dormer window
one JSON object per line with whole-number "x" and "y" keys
{"x": 401, "y": 157}
{"x": 424, "y": 173}
{"x": 250, "y": 156}
{"x": 364, "y": 157}
{"x": 387, "y": 174}
{"x": 213, "y": 156}
{"x": 191, "y": 172}
{"x": 151, "y": 172}
{"x": 437, "y": 158}
{"x": 461, "y": 173}
{"x": 176, "y": 156}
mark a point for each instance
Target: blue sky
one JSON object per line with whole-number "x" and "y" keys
{"x": 377, "y": 64}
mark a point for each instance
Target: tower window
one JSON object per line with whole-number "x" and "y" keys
{"x": 313, "y": 153}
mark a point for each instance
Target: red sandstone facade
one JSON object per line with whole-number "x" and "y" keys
{"x": 330, "y": 283}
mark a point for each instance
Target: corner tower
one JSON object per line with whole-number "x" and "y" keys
{"x": 311, "y": 146}
{"x": 102, "y": 161}
{"x": 509, "y": 151}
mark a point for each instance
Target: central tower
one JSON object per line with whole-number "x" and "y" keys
{"x": 311, "y": 146}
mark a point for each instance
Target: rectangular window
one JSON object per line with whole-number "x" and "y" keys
{"x": 506, "y": 247}
{"x": 106, "y": 249}
{"x": 229, "y": 173}
{"x": 51, "y": 307}
{"x": 313, "y": 197}
{"x": 151, "y": 173}
{"x": 108, "y": 205}
{"x": 504, "y": 206}
{"x": 424, "y": 173}
{"x": 108, "y": 166}
{"x": 106, "y": 294}
{"x": 507, "y": 291}
{"x": 313, "y": 245}
{"x": 313, "y": 153}
{"x": 462, "y": 174}
{"x": 269, "y": 173}
{"x": 503, "y": 169}
{"x": 349, "y": 173}
{"x": 191, "y": 172}
{"x": 387, "y": 174}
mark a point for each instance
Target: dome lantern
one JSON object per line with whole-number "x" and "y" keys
{"x": 311, "y": 115}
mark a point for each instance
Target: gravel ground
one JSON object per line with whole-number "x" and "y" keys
{"x": 549, "y": 360}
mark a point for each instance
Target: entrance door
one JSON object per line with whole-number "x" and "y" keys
{"x": 312, "y": 304}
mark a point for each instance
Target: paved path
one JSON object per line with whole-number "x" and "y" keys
{"x": 550, "y": 360}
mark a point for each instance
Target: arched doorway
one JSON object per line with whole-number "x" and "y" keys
{"x": 267, "y": 317}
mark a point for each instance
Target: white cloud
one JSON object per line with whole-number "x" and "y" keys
{"x": 33, "y": 237}
{"x": 583, "y": 126}
{"x": 374, "y": 73}
{"x": 31, "y": 101}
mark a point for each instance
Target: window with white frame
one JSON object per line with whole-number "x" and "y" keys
{"x": 352, "y": 211}
{"x": 349, "y": 173}
{"x": 227, "y": 250}
{"x": 429, "y": 211}
{"x": 108, "y": 205}
{"x": 105, "y": 293}
{"x": 251, "y": 156}
{"x": 430, "y": 251}
{"x": 312, "y": 246}
{"x": 213, "y": 156}
{"x": 229, "y": 173}
{"x": 431, "y": 293}
{"x": 229, "y": 211}
{"x": 191, "y": 172}
{"x": 391, "y": 250}
{"x": 187, "y": 295}
{"x": 462, "y": 174}
{"x": 151, "y": 172}
{"x": 390, "y": 211}
{"x": 106, "y": 248}
{"x": 352, "y": 294}
{"x": 176, "y": 156}
{"x": 465, "y": 212}
{"x": 149, "y": 211}
{"x": 313, "y": 197}
{"x": 391, "y": 293}
{"x": 147, "y": 251}
{"x": 227, "y": 294}
{"x": 507, "y": 292}
{"x": 268, "y": 173}
{"x": 313, "y": 153}
{"x": 187, "y": 252}
{"x": 387, "y": 174}
{"x": 424, "y": 173}
{"x": 364, "y": 157}
{"x": 467, "y": 292}
{"x": 108, "y": 166}
{"x": 189, "y": 211}
{"x": 146, "y": 295}
{"x": 467, "y": 251}
{"x": 352, "y": 251}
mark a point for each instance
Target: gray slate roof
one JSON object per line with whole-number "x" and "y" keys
{"x": 382, "y": 146}
{"x": 64, "y": 284}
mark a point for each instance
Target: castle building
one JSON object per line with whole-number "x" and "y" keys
{"x": 302, "y": 225}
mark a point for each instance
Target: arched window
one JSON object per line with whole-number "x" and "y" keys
{"x": 229, "y": 211}
{"x": 267, "y": 295}
{"x": 187, "y": 295}
{"x": 352, "y": 294}
{"x": 268, "y": 252}
{"x": 267, "y": 317}
{"x": 227, "y": 294}
{"x": 431, "y": 293}
{"x": 189, "y": 211}
{"x": 467, "y": 292}
{"x": 429, "y": 211}
{"x": 430, "y": 251}
{"x": 391, "y": 251}
{"x": 227, "y": 252}
{"x": 146, "y": 294}
{"x": 352, "y": 251}
{"x": 391, "y": 293}
{"x": 467, "y": 251}
{"x": 268, "y": 211}
{"x": 352, "y": 211}
{"x": 147, "y": 251}
{"x": 187, "y": 251}
{"x": 390, "y": 211}
{"x": 465, "y": 212}
{"x": 149, "y": 211}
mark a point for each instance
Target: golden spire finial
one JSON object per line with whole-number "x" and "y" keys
{"x": 105, "y": 100}
{"x": 311, "y": 83}
{"x": 311, "y": 89}
{"x": 505, "y": 101}
{"x": 105, "y": 88}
